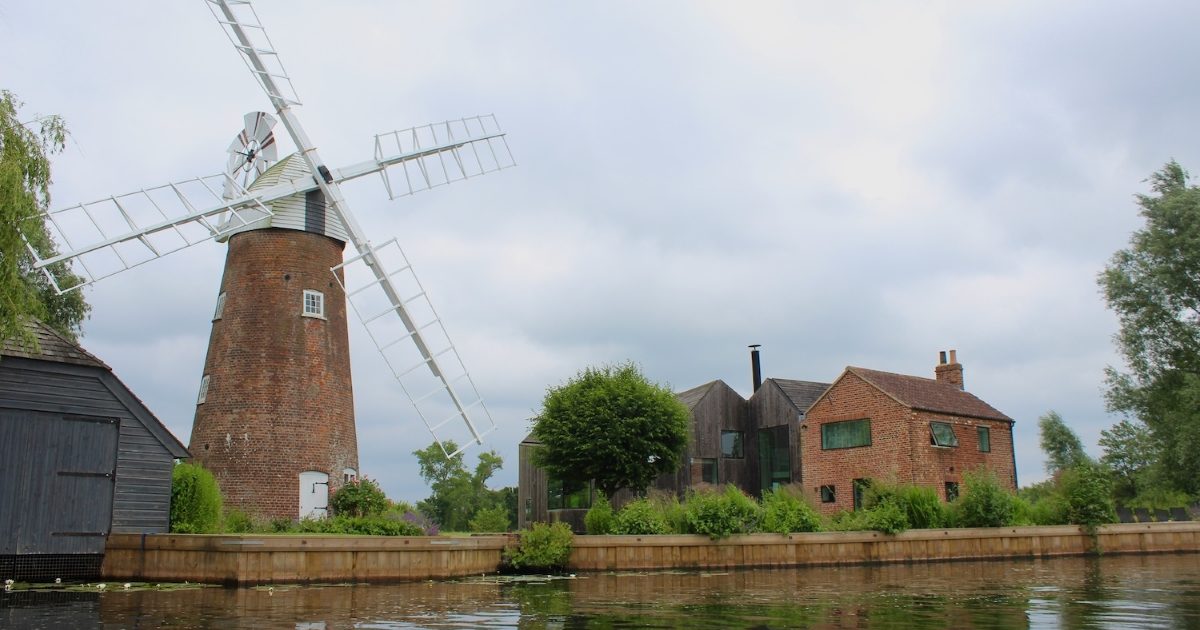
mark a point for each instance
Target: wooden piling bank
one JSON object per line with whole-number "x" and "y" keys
{"x": 254, "y": 559}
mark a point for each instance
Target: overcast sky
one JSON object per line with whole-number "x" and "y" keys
{"x": 844, "y": 183}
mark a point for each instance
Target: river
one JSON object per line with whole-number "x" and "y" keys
{"x": 1153, "y": 591}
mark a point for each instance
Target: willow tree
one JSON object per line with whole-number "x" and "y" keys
{"x": 1153, "y": 286}
{"x": 25, "y": 150}
{"x": 613, "y": 426}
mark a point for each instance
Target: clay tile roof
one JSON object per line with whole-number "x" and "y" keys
{"x": 802, "y": 393}
{"x": 51, "y": 347}
{"x": 927, "y": 394}
{"x": 694, "y": 395}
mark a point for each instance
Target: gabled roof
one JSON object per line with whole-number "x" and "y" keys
{"x": 51, "y": 347}
{"x": 926, "y": 394}
{"x": 693, "y": 396}
{"x": 802, "y": 394}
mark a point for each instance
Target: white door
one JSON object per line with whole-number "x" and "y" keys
{"x": 314, "y": 494}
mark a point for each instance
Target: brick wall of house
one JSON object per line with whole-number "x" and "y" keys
{"x": 936, "y": 465}
{"x": 279, "y": 399}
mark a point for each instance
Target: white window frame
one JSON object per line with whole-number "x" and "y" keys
{"x": 320, "y": 303}
{"x": 203, "y": 395}
{"x": 220, "y": 310}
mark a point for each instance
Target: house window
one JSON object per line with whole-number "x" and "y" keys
{"x": 860, "y": 488}
{"x": 951, "y": 491}
{"x": 846, "y": 434}
{"x": 731, "y": 444}
{"x": 985, "y": 439}
{"x": 942, "y": 434}
{"x": 314, "y": 304}
{"x": 707, "y": 467}
{"x": 203, "y": 395}
{"x": 828, "y": 494}
{"x": 349, "y": 475}
{"x": 220, "y": 310}
{"x": 562, "y": 496}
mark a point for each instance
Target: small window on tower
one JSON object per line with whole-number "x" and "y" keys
{"x": 220, "y": 306}
{"x": 203, "y": 390}
{"x": 314, "y": 304}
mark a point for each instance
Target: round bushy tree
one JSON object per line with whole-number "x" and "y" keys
{"x": 613, "y": 426}
{"x": 195, "y": 500}
{"x": 359, "y": 497}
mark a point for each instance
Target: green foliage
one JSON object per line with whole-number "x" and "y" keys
{"x": 600, "y": 519}
{"x": 1040, "y": 504}
{"x": 1060, "y": 444}
{"x": 24, "y": 196}
{"x": 887, "y": 517}
{"x": 849, "y": 521}
{"x": 544, "y": 546}
{"x": 195, "y": 500}
{"x": 238, "y": 522}
{"x": 610, "y": 425}
{"x": 722, "y": 514}
{"x": 1157, "y": 498}
{"x": 360, "y": 497}
{"x": 984, "y": 502}
{"x": 1129, "y": 452}
{"x": 355, "y": 525}
{"x": 1152, "y": 288}
{"x": 493, "y": 519}
{"x": 1087, "y": 489}
{"x": 459, "y": 494}
{"x": 641, "y": 517}
{"x": 922, "y": 507}
{"x": 673, "y": 511}
{"x": 785, "y": 511}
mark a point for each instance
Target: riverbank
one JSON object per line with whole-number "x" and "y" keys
{"x": 256, "y": 559}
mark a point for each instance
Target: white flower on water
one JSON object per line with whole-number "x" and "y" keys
{"x": 8, "y": 582}
{"x": 127, "y": 585}
{"x": 58, "y": 580}
{"x": 102, "y": 586}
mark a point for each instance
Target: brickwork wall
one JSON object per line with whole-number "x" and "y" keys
{"x": 900, "y": 447}
{"x": 279, "y": 398}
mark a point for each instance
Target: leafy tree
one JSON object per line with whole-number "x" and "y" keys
{"x": 195, "y": 500}
{"x": 984, "y": 502}
{"x": 361, "y": 497}
{"x": 1129, "y": 451}
{"x": 1153, "y": 286}
{"x": 457, "y": 493}
{"x": 613, "y": 426}
{"x": 1062, "y": 447}
{"x": 24, "y": 196}
{"x": 1087, "y": 488}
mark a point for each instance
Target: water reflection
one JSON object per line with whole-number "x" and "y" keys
{"x": 1110, "y": 592}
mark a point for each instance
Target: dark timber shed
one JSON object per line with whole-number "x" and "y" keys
{"x": 80, "y": 457}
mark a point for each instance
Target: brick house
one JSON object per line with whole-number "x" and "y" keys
{"x": 879, "y": 425}
{"x": 827, "y": 438}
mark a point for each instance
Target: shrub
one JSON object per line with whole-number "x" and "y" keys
{"x": 355, "y": 525}
{"x": 195, "y": 500}
{"x": 238, "y": 522}
{"x": 640, "y": 517}
{"x": 420, "y": 520}
{"x": 493, "y": 519}
{"x": 673, "y": 512}
{"x": 887, "y": 517}
{"x": 600, "y": 519}
{"x": 1159, "y": 498}
{"x": 984, "y": 503}
{"x": 922, "y": 506}
{"x": 849, "y": 521}
{"x": 545, "y": 546}
{"x": 785, "y": 511}
{"x": 1087, "y": 491}
{"x": 359, "y": 497}
{"x": 722, "y": 514}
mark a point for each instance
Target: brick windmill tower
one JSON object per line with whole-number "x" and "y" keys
{"x": 275, "y": 412}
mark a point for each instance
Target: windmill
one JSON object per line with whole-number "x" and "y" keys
{"x": 274, "y": 414}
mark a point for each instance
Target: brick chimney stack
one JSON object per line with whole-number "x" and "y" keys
{"x": 949, "y": 372}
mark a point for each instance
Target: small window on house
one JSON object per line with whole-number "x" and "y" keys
{"x": 846, "y": 434}
{"x": 828, "y": 494}
{"x": 942, "y": 434}
{"x": 561, "y": 496}
{"x": 985, "y": 440}
{"x": 860, "y": 488}
{"x": 731, "y": 444}
{"x": 707, "y": 469}
{"x": 314, "y": 304}
{"x": 349, "y": 474}
{"x": 951, "y": 491}
{"x": 220, "y": 310}
{"x": 203, "y": 395}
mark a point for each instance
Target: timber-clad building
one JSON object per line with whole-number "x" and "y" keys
{"x": 826, "y": 438}
{"x": 80, "y": 457}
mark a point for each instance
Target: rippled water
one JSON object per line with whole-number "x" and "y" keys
{"x": 1161, "y": 591}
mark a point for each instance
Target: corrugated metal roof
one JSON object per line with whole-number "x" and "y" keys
{"x": 51, "y": 347}
{"x": 928, "y": 394}
{"x": 802, "y": 393}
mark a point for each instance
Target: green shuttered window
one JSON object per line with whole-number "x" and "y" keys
{"x": 847, "y": 434}
{"x": 985, "y": 440}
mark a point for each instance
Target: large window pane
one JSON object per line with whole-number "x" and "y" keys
{"x": 774, "y": 457}
{"x": 731, "y": 444}
{"x": 560, "y": 496}
{"x": 847, "y": 434}
{"x": 985, "y": 440}
{"x": 942, "y": 434}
